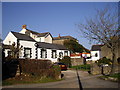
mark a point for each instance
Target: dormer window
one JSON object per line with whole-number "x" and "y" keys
{"x": 9, "y": 42}
{"x": 27, "y": 33}
{"x": 34, "y": 36}
{"x": 39, "y": 39}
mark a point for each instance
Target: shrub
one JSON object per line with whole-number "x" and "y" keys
{"x": 104, "y": 60}
{"x": 42, "y": 68}
{"x": 56, "y": 71}
{"x": 34, "y": 66}
{"x": 66, "y": 60}
{"x": 9, "y": 68}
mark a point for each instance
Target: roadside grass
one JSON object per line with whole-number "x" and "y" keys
{"x": 28, "y": 80}
{"x": 117, "y": 75}
{"x": 114, "y": 77}
{"x": 82, "y": 67}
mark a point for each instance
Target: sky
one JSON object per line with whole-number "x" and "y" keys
{"x": 54, "y": 17}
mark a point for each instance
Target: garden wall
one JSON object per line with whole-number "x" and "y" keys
{"x": 95, "y": 69}
{"x": 76, "y": 61}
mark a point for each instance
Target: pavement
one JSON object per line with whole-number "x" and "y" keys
{"x": 72, "y": 79}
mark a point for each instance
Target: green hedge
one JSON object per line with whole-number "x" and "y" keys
{"x": 35, "y": 67}
{"x": 38, "y": 67}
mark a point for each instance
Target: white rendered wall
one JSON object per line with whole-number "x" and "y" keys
{"x": 38, "y": 39}
{"x": 10, "y": 37}
{"x": 48, "y": 39}
{"x": 49, "y": 54}
{"x": 23, "y": 31}
{"x": 93, "y": 57}
{"x": 42, "y": 39}
{"x": 28, "y": 44}
{"x": 34, "y": 36}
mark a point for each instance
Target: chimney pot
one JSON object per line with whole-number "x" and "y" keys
{"x": 24, "y": 26}
{"x": 59, "y": 36}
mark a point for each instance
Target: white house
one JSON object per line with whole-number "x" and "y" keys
{"x": 96, "y": 52}
{"x": 39, "y": 37}
{"x": 35, "y": 45}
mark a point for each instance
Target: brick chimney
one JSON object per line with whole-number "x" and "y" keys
{"x": 59, "y": 36}
{"x": 24, "y": 26}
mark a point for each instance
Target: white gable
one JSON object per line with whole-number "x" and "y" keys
{"x": 10, "y": 38}
{"x": 48, "y": 39}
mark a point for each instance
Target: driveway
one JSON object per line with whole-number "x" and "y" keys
{"x": 72, "y": 80}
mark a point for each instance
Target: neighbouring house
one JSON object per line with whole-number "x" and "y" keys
{"x": 78, "y": 58}
{"x": 35, "y": 45}
{"x": 106, "y": 52}
{"x": 60, "y": 39}
{"x": 86, "y": 55}
{"x": 76, "y": 55}
{"x": 96, "y": 52}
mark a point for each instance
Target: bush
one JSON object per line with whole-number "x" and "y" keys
{"x": 104, "y": 60}
{"x": 9, "y": 68}
{"x": 34, "y": 67}
{"x": 42, "y": 68}
{"x": 56, "y": 71}
{"x": 116, "y": 75}
{"x": 66, "y": 60}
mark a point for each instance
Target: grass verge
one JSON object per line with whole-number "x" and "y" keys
{"x": 28, "y": 80}
{"x": 114, "y": 77}
{"x": 82, "y": 67}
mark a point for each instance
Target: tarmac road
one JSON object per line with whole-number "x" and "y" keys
{"x": 72, "y": 79}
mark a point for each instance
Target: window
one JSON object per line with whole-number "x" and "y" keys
{"x": 66, "y": 53}
{"x": 43, "y": 53}
{"x": 96, "y": 55}
{"x": 60, "y": 55}
{"x": 9, "y": 53}
{"x": 54, "y": 54}
{"x": 39, "y": 39}
{"x": 27, "y": 33}
{"x": 27, "y": 52}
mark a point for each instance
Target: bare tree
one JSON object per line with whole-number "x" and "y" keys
{"x": 15, "y": 50}
{"x": 103, "y": 29}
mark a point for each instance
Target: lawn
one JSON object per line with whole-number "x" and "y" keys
{"x": 82, "y": 67}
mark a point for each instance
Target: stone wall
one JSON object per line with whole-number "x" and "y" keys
{"x": 106, "y": 52}
{"x": 61, "y": 42}
{"x": 95, "y": 69}
{"x": 76, "y": 61}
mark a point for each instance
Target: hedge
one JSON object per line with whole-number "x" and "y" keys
{"x": 43, "y": 68}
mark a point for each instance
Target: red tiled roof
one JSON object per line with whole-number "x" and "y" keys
{"x": 73, "y": 55}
